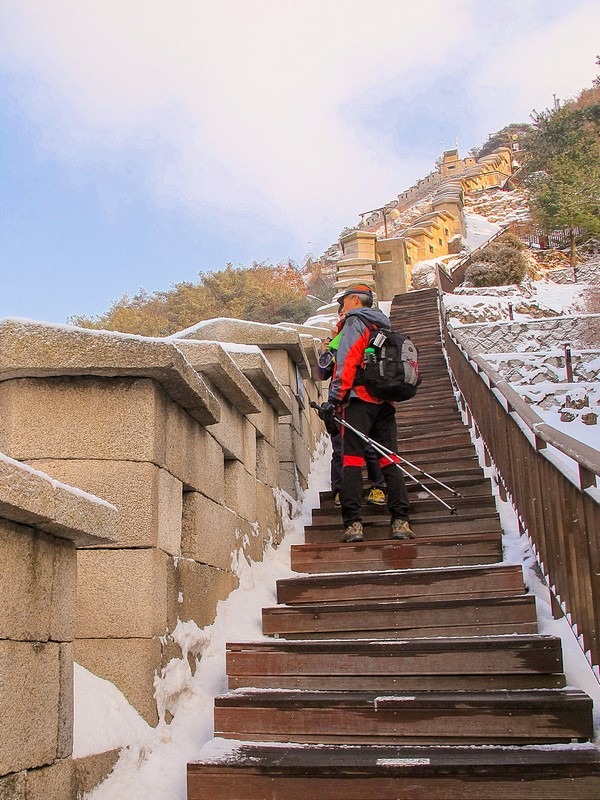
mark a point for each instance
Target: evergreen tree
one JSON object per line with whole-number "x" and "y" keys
{"x": 515, "y": 132}
{"x": 564, "y": 167}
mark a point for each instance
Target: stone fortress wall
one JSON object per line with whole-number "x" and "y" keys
{"x": 194, "y": 445}
{"x": 387, "y": 263}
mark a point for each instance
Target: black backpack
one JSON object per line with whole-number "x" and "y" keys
{"x": 391, "y": 366}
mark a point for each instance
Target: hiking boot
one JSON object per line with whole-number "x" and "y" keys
{"x": 376, "y": 497}
{"x": 336, "y": 500}
{"x": 353, "y": 533}
{"x": 401, "y": 529}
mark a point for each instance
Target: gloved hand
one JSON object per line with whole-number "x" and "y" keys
{"x": 327, "y": 411}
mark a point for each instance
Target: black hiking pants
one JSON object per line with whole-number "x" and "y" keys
{"x": 378, "y": 421}
{"x": 376, "y": 479}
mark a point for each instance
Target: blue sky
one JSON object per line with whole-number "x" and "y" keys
{"x": 146, "y": 141}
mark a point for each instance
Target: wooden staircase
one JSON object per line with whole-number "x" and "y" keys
{"x": 404, "y": 669}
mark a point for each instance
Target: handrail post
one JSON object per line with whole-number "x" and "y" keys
{"x": 568, "y": 363}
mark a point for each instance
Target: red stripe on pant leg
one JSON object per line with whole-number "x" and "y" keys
{"x": 385, "y": 461}
{"x": 353, "y": 461}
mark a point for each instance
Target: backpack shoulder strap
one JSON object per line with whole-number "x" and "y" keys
{"x": 372, "y": 326}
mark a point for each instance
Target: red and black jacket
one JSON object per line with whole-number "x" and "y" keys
{"x": 350, "y": 355}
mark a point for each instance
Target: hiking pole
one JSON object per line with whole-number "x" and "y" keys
{"x": 396, "y": 455}
{"x": 421, "y": 471}
{"x": 382, "y": 450}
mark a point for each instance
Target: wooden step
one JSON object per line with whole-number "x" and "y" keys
{"x": 416, "y": 450}
{"x": 417, "y": 422}
{"x": 237, "y": 770}
{"x": 417, "y": 426}
{"x": 425, "y": 552}
{"x": 457, "y": 476}
{"x": 419, "y": 433}
{"x": 431, "y": 459}
{"x": 451, "y": 664}
{"x": 408, "y": 619}
{"x": 421, "y": 506}
{"x": 378, "y": 527}
{"x": 477, "y": 581}
{"x": 433, "y": 391}
{"x": 443, "y": 461}
{"x": 454, "y": 433}
{"x": 467, "y": 484}
{"x": 513, "y": 716}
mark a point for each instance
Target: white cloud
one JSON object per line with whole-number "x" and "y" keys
{"x": 256, "y": 109}
{"x": 245, "y": 105}
{"x": 549, "y": 56}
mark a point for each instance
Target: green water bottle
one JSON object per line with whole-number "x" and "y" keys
{"x": 370, "y": 355}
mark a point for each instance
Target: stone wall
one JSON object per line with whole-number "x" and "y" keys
{"x": 530, "y": 336}
{"x": 191, "y": 440}
{"x": 547, "y": 367}
{"x": 41, "y": 524}
{"x": 290, "y": 354}
{"x": 584, "y": 273}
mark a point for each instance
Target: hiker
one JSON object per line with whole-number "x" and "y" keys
{"x": 376, "y": 496}
{"x": 373, "y": 417}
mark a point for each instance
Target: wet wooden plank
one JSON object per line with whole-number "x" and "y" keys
{"x": 426, "y": 552}
{"x": 261, "y": 772}
{"x": 405, "y": 618}
{"x": 514, "y": 717}
{"x": 426, "y": 656}
{"x": 451, "y": 582}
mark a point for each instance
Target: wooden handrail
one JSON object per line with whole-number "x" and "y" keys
{"x": 557, "y": 510}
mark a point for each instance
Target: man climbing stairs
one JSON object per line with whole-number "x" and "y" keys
{"x": 404, "y": 669}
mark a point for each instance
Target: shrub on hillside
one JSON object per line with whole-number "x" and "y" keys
{"x": 260, "y": 293}
{"x": 510, "y": 240}
{"x": 500, "y": 264}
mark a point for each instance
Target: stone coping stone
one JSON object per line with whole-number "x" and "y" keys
{"x": 39, "y": 350}
{"x": 310, "y": 346}
{"x": 32, "y": 498}
{"x": 348, "y": 263}
{"x": 311, "y": 337}
{"x": 313, "y": 331}
{"x": 211, "y": 359}
{"x": 419, "y": 230}
{"x": 258, "y": 371}
{"x": 344, "y": 283}
{"x": 243, "y": 332}
{"x": 358, "y": 235}
{"x": 431, "y": 218}
{"x": 452, "y": 194}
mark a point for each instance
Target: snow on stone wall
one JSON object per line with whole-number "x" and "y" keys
{"x": 527, "y": 336}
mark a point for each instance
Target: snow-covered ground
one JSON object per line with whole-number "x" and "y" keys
{"x": 543, "y": 298}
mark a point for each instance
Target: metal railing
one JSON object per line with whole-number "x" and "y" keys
{"x": 557, "y": 510}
